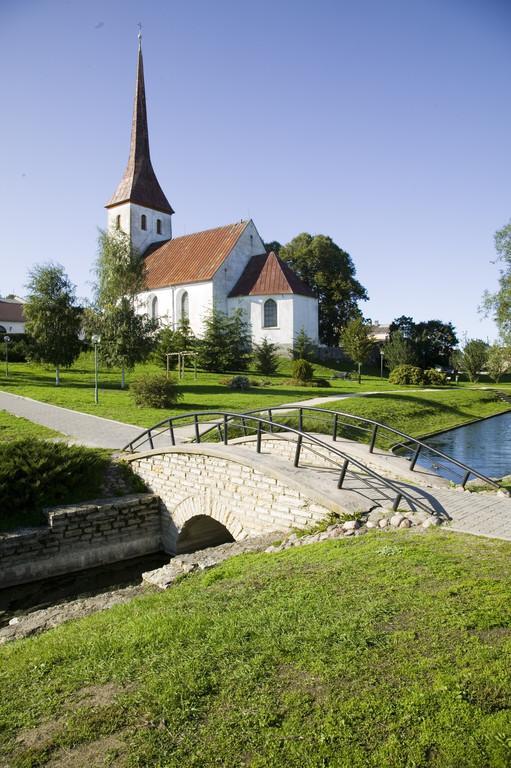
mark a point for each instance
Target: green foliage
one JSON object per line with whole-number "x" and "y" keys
{"x": 36, "y": 474}
{"x": 475, "y": 355}
{"x": 226, "y": 344}
{"x": 265, "y": 357}
{"x": 398, "y": 351}
{"x": 434, "y": 377}
{"x": 53, "y": 318}
{"x": 356, "y": 340}
{"x": 239, "y": 382}
{"x": 155, "y": 391}
{"x": 303, "y": 346}
{"x": 302, "y": 370}
{"x": 330, "y": 272}
{"x": 19, "y": 347}
{"x": 119, "y": 268}
{"x": 498, "y": 362}
{"x": 169, "y": 340}
{"x": 498, "y": 304}
{"x": 126, "y": 336}
{"x": 406, "y": 374}
{"x": 429, "y": 343}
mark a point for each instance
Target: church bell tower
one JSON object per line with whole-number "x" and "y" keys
{"x": 139, "y": 206}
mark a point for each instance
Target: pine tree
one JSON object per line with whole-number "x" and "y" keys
{"x": 226, "y": 342}
{"x": 303, "y": 346}
{"x": 266, "y": 357}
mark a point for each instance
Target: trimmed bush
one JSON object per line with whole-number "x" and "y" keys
{"x": 302, "y": 370}
{"x": 321, "y": 383}
{"x": 238, "y": 382}
{"x": 437, "y": 378}
{"x": 155, "y": 391}
{"x": 406, "y": 374}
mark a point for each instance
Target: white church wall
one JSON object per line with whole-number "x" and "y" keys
{"x": 253, "y": 307}
{"x": 11, "y": 326}
{"x": 169, "y": 304}
{"x": 305, "y": 315}
{"x": 131, "y": 221}
{"x": 248, "y": 245}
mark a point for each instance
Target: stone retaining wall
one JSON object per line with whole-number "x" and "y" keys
{"x": 82, "y": 536}
{"x": 247, "y": 495}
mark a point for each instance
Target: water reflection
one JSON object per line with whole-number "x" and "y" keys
{"x": 484, "y": 445}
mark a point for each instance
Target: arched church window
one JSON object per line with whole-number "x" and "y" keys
{"x": 158, "y": 226}
{"x": 154, "y": 308}
{"x": 2, "y": 329}
{"x": 118, "y": 221}
{"x": 185, "y": 306}
{"x": 270, "y": 314}
{"x": 143, "y": 221}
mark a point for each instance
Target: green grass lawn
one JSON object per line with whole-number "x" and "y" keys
{"x": 77, "y": 390}
{"x": 417, "y": 414}
{"x": 390, "y": 650}
{"x": 15, "y": 427}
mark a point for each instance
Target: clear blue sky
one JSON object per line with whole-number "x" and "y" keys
{"x": 385, "y": 124}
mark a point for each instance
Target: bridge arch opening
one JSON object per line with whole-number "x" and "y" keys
{"x": 200, "y": 532}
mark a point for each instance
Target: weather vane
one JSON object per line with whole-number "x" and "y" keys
{"x": 139, "y": 31}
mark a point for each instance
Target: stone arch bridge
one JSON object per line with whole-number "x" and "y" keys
{"x": 275, "y": 477}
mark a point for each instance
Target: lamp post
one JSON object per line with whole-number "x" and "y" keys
{"x": 96, "y": 340}
{"x": 7, "y": 340}
{"x": 382, "y": 355}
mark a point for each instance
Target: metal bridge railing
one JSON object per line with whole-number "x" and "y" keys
{"x": 246, "y": 422}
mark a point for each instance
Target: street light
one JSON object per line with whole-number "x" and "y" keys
{"x": 7, "y": 340}
{"x": 96, "y": 340}
{"x": 382, "y": 355}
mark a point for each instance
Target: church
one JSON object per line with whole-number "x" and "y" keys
{"x": 225, "y": 267}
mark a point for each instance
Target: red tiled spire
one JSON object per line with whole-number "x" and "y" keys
{"x": 139, "y": 183}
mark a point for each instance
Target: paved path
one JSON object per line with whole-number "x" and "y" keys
{"x": 83, "y": 428}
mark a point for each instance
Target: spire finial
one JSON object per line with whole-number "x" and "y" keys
{"x": 139, "y": 34}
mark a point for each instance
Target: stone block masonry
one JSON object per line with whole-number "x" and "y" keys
{"x": 246, "y": 493}
{"x": 81, "y": 536}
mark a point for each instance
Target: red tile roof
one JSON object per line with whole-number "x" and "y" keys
{"x": 11, "y": 311}
{"x": 191, "y": 258}
{"x": 139, "y": 183}
{"x": 267, "y": 274}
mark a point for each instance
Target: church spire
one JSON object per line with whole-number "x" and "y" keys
{"x": 139, "y": 184}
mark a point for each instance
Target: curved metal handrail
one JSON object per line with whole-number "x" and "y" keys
{"x": 228, "y": 417}
{"x": 376, "y": 425}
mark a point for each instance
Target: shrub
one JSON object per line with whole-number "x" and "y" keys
{"x": 238, "y": 382}
{"x": 321, "y": 383}
{"x": 155, "y": 391}
{"x": 265, "y": 356}
{"x": 437, "y": 378}
{"x": 406, "y": 374}
{"x": 302, "y": 370}
{"x": 35, "y": 474}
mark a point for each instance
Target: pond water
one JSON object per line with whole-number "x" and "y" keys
{"x": 484, "y": 445}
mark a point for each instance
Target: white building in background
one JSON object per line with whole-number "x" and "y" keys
{"x": 226, "y": 267}
{"x": 12, "y": 317}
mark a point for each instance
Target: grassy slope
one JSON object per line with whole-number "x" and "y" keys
{"x": 389, "y": 650}
{"x": 77, "y": 390}
{"x": 15, "y": 428}
{"x": 415, "y": 413}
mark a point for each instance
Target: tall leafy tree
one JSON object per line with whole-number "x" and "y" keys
{"x": 475, "y": 355}
{"x": 398, "y": 351}
{"x": 330, "y": 273}
{"x": 498, "y": 304}
{"x": 357, "y": 342}
{"x": 126, "y": 335}
{"x": 53, "y": 317}
{"x": 430, "y": 342}
{"x": 498, "y": 362}
{"x": 168, "y": 339}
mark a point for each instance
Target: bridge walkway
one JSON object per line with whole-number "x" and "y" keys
{"x": 482, "y": 514}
